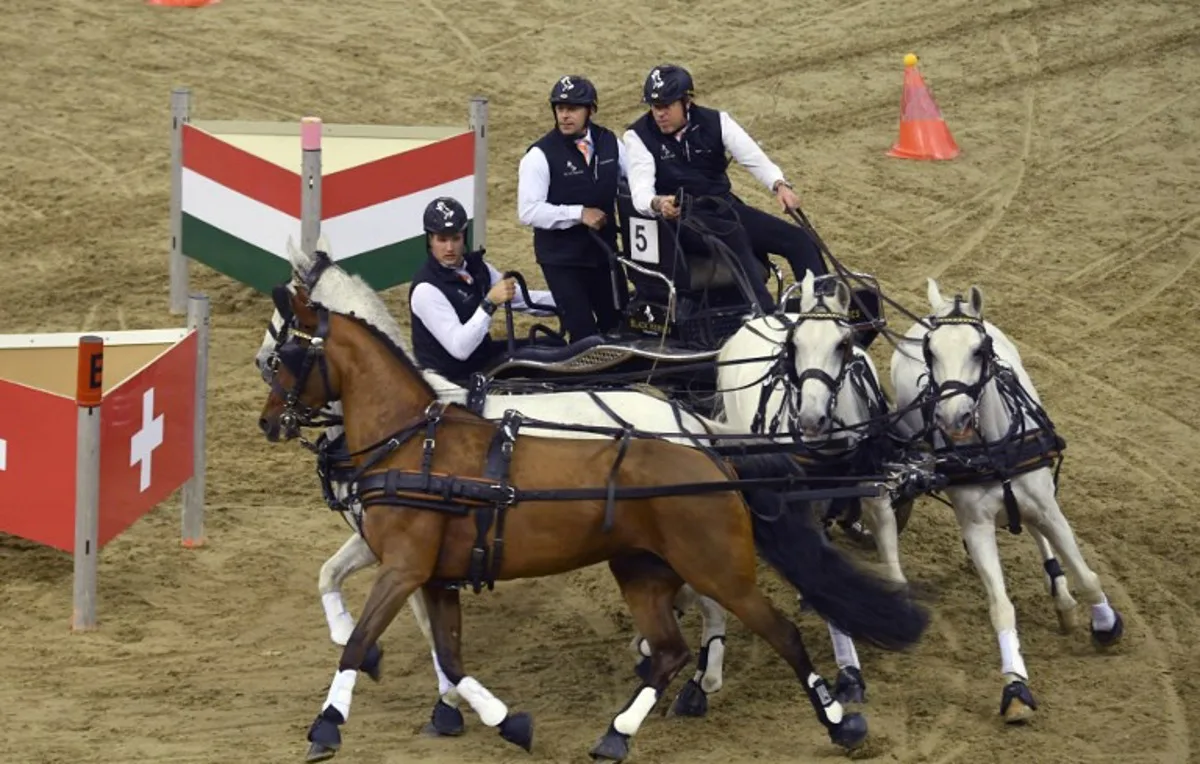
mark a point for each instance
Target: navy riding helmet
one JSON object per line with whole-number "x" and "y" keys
{"x": 667, "y": 84}
{"x": 445, "y": 215}
{"x": 575, "y": 90}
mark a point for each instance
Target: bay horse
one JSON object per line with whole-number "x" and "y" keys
{"x": 969, "y": 397}
{"x": 451, "y": 497}
{"x": 603, "y": 409}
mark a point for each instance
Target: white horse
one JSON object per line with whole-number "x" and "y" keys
{"x": 645, "y": 412}
{"x": 974, "y": 383}
{"x": 835, "y": 392}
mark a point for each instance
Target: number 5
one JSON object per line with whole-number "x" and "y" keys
{"x": 645, "y": 240}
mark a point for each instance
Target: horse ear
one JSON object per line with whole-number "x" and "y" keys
{"x": 300, "y": 261}
{"x": 976, "y": 296}
{"x": 934, "y": 295}
{"x": 807, "y": 293}
{"x": 841, "y": 293}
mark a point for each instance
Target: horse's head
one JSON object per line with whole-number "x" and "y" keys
{"x": 959, "y": 360}
{"x": 821, "y": 342}
{"x": 295, "y": 345}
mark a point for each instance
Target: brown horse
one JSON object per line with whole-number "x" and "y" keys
{"x": 443, "y": 487}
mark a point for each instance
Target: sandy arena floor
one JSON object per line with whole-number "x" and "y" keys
{"x": 1074, "y": 206}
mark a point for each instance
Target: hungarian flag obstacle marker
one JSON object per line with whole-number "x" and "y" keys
{"x": 239, "y": 190}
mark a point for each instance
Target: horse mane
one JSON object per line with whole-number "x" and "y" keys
{"x": 352, "y": 297}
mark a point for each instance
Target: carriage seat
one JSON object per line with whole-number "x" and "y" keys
{"x": 690, "y": 271}
{"x": 548, "y": 353}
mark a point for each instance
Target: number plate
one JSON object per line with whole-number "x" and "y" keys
{"x": 643, "y": 243}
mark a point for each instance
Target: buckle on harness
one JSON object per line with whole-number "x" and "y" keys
{"x": 510, "y": 494}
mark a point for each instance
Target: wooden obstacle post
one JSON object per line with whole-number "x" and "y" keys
{"x": 192, "y": 519}
{"x": 310, "y": 180}
{"x": 478, "y": 123}
{"x": 89, "y": 386}
{"x": 178, "y": 265}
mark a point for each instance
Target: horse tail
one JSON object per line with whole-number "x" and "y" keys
{"x": 862, "y": 605}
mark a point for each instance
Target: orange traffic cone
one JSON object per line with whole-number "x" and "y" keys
{"x": 182, "y": 3}
{"x": 923, "y": 132}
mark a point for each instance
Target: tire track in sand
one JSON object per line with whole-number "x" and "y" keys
{"x": 1002, "y": 201}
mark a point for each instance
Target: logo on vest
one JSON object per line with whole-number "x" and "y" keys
{"x": 572, "y": 169}
{"x": 664, "y": 152}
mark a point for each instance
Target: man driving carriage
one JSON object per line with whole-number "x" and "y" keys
{"x": 566, "y": 189}
{"x": 454, "y": 295}
{"x": 680, "y": 145}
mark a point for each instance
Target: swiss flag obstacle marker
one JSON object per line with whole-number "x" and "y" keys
{"x": 134, "y": 419}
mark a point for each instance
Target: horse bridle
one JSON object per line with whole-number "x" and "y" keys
{"x": 299, "y": 352}
{"x": 937, "y": 391}
{"x": 785, "y": 369}
{"x": 798, "y": 378}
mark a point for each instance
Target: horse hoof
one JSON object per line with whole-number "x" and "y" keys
{"x": 691, "y": 701}
{"x": 518, "y": 730}
{"x": 850, "y": 732}
{"x": 1017, "y": 704}
{"x": 612, "y": 747}
{"x": 642, "y": 669}
{"x": 318, "y": 752}
{"x": 324, "y": 736}
{"x": 850, "y": 687}
{"x": 370, "y": 662}
{"x": 1110, "y": 637}
{"x": 445, "y": 721}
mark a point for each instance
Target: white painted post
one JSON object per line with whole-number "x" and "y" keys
{"x": 178, "y": 265}
{"x": 479, "y": 121}
{"x": 192, "y": 520}
{"x": 310, "y": 190}
{"x": 89, "y": 388}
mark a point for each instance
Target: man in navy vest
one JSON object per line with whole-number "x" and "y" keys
{"x": 453, "y": 297}
{"x": 567, "y": 191}
{"x": 678, "y": 144}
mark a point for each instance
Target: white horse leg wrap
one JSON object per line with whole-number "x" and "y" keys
{"x": 831, "y": 708}
{"x": 629, "y": 720}
{"x": 1011, "y": 661}
{"x": 341, "y": 623}
{"x": 491, "y": 710}
{"x": 843, "y": 649}
{"x": 444, "y": 684}
{"x": 341, "y": 692}
{"x": 1103, "y": 616}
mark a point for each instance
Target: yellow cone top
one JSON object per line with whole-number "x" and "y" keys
{"x": 910, "y": 59}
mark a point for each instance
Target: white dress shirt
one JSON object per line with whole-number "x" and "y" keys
{"x": 533, "y": 184}
{"x": 461, "y": 339}
{"x": 744, "y": 150}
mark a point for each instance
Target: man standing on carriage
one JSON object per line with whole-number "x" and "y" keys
{"x": 454, "y": 295}
{"x": 680, "y": 145}
{"x": 567, "y": 192}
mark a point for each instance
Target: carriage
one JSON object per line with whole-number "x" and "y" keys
{"x": 683, "y": 306}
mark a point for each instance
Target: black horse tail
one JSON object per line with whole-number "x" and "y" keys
{"x": 862, "y": 605}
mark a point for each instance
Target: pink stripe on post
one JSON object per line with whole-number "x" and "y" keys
{"x": 310, "y": 134}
